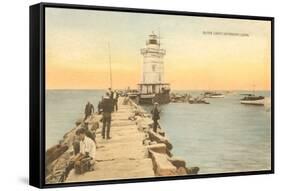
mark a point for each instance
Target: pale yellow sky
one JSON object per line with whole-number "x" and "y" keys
{"x": 77, "y": 50}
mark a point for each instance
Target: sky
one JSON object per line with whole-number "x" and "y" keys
{"x": 201, "y": 54}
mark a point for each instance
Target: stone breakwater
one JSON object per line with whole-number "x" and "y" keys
{"x": 134, "y": 151}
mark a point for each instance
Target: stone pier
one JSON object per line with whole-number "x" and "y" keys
{"x": 124, "y": 155}
{"x": 134, "y": 150}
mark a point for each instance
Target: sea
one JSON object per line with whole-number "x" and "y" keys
{"x": 220, "y": 137}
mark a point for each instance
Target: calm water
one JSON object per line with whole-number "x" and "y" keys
{"x": 63, "y": 108}
{"x": 224, "y": 136}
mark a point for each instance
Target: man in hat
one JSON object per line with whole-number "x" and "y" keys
{"x": 107, "y": 108}
{"x": 155, "y": 116}
{"x": 86, "y": 151}
{"x": 87, "y": 145}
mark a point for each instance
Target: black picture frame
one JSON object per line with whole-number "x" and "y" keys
{"x": 37, "y": 93}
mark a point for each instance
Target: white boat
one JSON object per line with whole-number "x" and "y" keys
{"x": 251, "y": 99}
{"x": 213, "y": 95}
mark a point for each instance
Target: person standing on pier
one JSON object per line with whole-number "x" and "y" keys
{"x": 89, "y": 109}
{"x": 110, "y": 93}
{"x": 115, "y": 100}
{"x": 107, "y": 108}
{"x": 155, "y": 116}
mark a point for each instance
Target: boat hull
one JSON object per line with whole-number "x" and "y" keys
{"x": 216, "y": 96}
{"x": 198, "y": 102}
{"x": 213, "y": 95}
{"x": 253, "y": 102}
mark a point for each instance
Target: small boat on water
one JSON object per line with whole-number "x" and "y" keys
{"x": 213, "y": 95}
{"x": 197, "y": 101}
{"x": 252, "y": 99}
{"x": 177, "y": 98}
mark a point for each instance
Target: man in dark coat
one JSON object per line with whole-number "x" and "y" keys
{"x": 107, "y": 108}
{"x": 155, "y": 116}
{"x": 89, "y": 109}
{"x": 110, "y": 93}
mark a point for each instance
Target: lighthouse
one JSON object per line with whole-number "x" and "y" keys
{"x": 152, "y": 87}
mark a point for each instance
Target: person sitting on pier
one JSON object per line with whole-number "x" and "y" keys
{"x": 89, "y": 109}
{"x": 155, "y": 116}
{"x": 115, "y": 100}
{"x": 84, "y": 153}
{"x": 88, "y": 133}
{"x": 87, "y": 150}
{"x": 107, "y": 108}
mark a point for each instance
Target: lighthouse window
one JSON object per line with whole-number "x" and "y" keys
{"x": 152, "y": 41}
{"x": 153, "y": 68}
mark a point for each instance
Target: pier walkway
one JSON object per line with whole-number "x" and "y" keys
{"x": 123, "y": 156}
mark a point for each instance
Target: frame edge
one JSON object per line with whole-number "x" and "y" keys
{"x": 35, "y": 178}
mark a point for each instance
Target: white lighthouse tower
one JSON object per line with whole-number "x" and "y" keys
{"x": 152, "y": 86}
